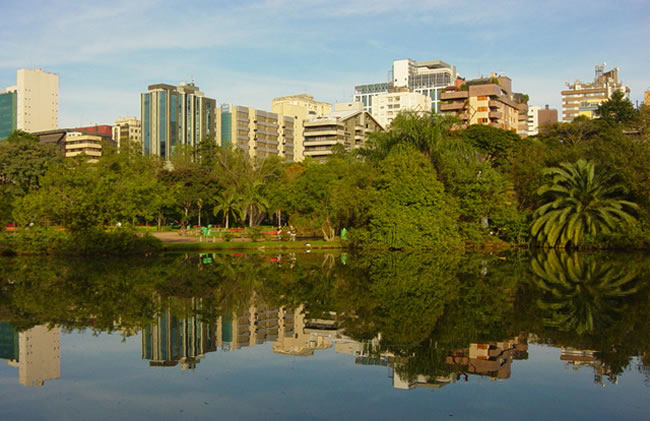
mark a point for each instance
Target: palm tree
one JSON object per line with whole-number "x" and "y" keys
{"x": 580, "y": 294}
{"x": 228, "y": 201}
{"x": 580, "y": 199}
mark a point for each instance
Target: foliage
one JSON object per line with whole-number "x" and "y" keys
{"x": 412, "y": 209}
{"x": 617, "y": 109}
{"x": 580, "y": 200}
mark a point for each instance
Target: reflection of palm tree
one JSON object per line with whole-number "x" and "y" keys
{"x": 580, "y": 294}
{"x": 581, "y": 199}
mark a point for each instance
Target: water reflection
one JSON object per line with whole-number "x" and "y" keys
{"x": 36, "y": 353}
{"x": 429, "y": 320}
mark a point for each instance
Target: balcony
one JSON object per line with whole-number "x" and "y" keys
{"x": 496, "y": 114}
{"x": 454, "y": 106}
{"x": 494, "y": 104}
{"x": 454, "y": 95}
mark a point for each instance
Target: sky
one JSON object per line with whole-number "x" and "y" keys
{"x": 247, "y": 53}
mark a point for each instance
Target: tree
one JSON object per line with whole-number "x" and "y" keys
{"x": 617, "y": 109}
{"x": 412, "y": 209}
{"x": 228, "y": 202}
{"x": 24, "y": 160}
{"x": 580, "y": 199}
{"x": 495, "y": 144}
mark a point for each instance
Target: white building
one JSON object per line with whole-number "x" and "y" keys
{"x": 32, "y": 104}
{"x": 37, "y": 100}
{"x": 428, "y": 78}
{"x": 127, "y": 129}
{"x": 388, "y": 105}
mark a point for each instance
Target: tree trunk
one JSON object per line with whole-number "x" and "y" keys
{"x": 227, "y": 219}
{"x": 250, "y": 217}
{"x": 279, "y": 219}
{"x": 200, "y": 207}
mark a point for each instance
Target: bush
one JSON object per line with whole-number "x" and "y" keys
{"x": 254, "y": 233}
{"x": 44, "y": 240}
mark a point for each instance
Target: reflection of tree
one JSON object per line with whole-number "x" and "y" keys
{"x": 580, "y": 294}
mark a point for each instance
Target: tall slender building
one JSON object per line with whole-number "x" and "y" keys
{"x": 32, "y": 104}
{"x": 175, "y": 115}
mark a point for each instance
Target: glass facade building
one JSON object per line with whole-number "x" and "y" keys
{"x": 8, "y": 113}
{"x": 175, "y": 115}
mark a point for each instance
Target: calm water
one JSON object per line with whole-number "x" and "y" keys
{"x": 326, "y": 336}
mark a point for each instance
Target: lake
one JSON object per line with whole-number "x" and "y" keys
{"x": 326, "y": 335}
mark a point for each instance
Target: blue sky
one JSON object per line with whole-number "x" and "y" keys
{"x": 247, "y": 53}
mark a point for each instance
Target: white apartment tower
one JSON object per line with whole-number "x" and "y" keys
{"x": 32, "y": 104}
{"x": 389, "y": 105}
{"x": 428, "y": 78}
{"x": 37, "y": 100}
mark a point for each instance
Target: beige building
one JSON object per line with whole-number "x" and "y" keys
{"x": 347, "y": 125}
{"x": 584, "y": 98}
{"x": 487, "y": 101}
{"x": 259, "y": 133}
{"x": 388, "y": 105}
{"x": 39, "y": 356}
{"x": 301, "y": 108}
{"x": 127, "y": 129}
{"x": 77, "y": 143}
{"x": 32, "y": 104}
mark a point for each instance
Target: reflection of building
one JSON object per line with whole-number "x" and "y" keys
{"x": 36, "y": 352}
{"x": 173, "y": 340}
{"x": 577, "y": 358}
{"x": 584, "y": 98}
{"x": 492, "y": 359}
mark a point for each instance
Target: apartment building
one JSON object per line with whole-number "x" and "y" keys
{"x": 126, "y": 129}
{"x": 36, "y": 353}
{"x": 175, "y": 115}
{"x": 584, "y": 98}
{"x": 347, "y": 125}
{"x": 32, "y": 104}
{"x": 259, "y": 133}
{"x": 79, "y": 143}
{"x": 301, "y": 108}
{"x": 487, "y": 101}
{"x": 428, "y": 78}
{"x": 389, "y": 105}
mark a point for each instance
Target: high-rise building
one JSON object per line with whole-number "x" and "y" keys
{"x": 126, "y": 129}
{"x": 428, "y": 78}
{"x": 347, "y": 125}
{"x": 487, "y": 101}
{"x": 32, "y": 104}
{"x": 301, "y": 108}
{"x": 172, "y": 340}
{"x": 258, "y": 133}
{"x": 584, "y": 98}
{"x": 175, "y": 115}
{"x": 389, "y": 104}
{"x": 35, "y": 352}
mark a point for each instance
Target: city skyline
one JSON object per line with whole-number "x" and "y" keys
{"x": 106, "y": 56}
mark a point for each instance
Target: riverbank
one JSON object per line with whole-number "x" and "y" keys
{"x": 173, "y": 241}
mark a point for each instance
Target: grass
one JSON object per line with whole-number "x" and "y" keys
{"x": 236, "y": 245}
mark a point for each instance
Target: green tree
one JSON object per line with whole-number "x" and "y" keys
{"x": 495, "y": 144}
{"x": 580, "y": 199}
{"x": 228, "y": 202}
{"x": 412, "y": 209}
{"x": 617, "y": 109}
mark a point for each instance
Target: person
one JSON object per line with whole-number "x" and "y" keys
{"x": 292, "y": 232}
